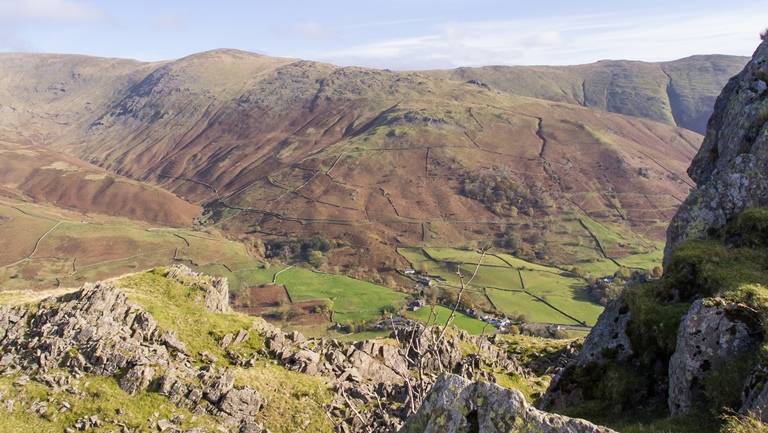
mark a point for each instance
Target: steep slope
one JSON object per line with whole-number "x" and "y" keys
{"x": 680, "y": 92}
{"x": 39, "y": 174}
{"x": 373, "y": 157}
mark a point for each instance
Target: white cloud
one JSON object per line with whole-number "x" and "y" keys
{"x": 562, "y": 40}
{"x": 314, "y": 31}
{"x": 16, "y": 11}
{"x": 11, "y": 41}
{"x": 171, "y": 21}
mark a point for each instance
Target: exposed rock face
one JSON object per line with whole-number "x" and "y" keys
{"x": 731, "y": 167}
{"x": 712, "y": 332}
{"x": 458, "y": 405}
{"x": 608, "y": 339}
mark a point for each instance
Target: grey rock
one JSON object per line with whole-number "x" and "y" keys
{"x": 216, "y": 289}
{"x": 137, "y": 379}
{"x": 242, "y": 403}
{"x": 755, "y": 394}
{"x": 305, "y": 361}
{"x": 709, "y": 335}
{"x": 215, "y": 386}
{"x": 608, "y": 339}
{"x": 458, "y": 405}
{"x": 373, "y": 370}
{"x": 171, "y": 339}
{"x": 731, "y": 166}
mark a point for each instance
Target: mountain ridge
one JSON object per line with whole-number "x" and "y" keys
{"x": 375, "y": 157}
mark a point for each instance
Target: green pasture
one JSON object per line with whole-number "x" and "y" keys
{"x": 515, "y": 304}
{"x": 452, "y": 255}
{"x": 564, "y": 293}
{"x": 557, "y": 287}
{"x": 522, "y": 264}
{"x": 598, "y": 268}
{"x": 461, "y": 321}
{"x": 347, "y": 294}
{"x": 493, "y": 277}
{"x": 643, "y": 261}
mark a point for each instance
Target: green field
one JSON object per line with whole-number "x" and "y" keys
{"x": 461, "y": 321}
{"x": 565, "y": 294}
{"x": 515, "y": 304}
{"x": 562, "y": 296}
{"x": 452, "y": 255}
{"x": 348, "y": 295}
{"x": 643, "y": 261}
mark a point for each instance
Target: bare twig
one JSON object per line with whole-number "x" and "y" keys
{"x": 461, "y": 292}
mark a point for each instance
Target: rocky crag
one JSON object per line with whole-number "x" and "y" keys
{"x": 691, "y": 341}
{"x": 377, "y": 385}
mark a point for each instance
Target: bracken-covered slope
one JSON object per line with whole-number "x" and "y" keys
{"x": 378, "y": 158}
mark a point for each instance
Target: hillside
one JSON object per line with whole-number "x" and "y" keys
{"x": 680, "y": 92}
{"x": 373, "y": 158}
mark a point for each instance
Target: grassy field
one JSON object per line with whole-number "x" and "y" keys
{"x": 564, "y": 293}
{"x": 347, "y": 294}
{"x": 461, "y": 321}
{"x": 503, "y": 286}
{"x": 643, "y": 261}
{"x": 562, "y": 296}
{"x": 515, "y": 304}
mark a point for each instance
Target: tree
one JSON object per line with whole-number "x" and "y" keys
{"x": 424, "y": 268}
{"x": 577, "y": 271}
{"x": 316, "y": 258}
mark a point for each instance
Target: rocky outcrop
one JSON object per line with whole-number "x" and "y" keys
{"x": 634, "y": 342}
{"x": 731, "y": 167}
{"x": 216, "y": 288}
{"x": 713, "y": 332}
{"x": 608, "y": 340}
{"x": 456, "y": 404}
{"x": 96, "y": 330}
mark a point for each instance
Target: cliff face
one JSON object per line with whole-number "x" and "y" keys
{"x": 731, "y": 166}
{"x": 691, "y": 340}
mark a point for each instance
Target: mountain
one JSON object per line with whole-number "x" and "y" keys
{"x": 692, "y": 343}
{"x": 374, "y": 158}
{"x": 681, "y": 92}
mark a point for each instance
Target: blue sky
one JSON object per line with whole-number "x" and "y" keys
{"x": 396, "y": 34}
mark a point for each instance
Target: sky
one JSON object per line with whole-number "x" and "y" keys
{"x": 395, "y": 34}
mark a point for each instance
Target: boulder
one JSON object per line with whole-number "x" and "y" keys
{"x": 608, "y": 340}
{"x": 713, "y": 332}
{"x": 458, "y": 405}
{"x": 373, "y": 370}
{"x": 731, "y": 166}
{"x": 243, "y": 403}
{"x": 137, "y": 379}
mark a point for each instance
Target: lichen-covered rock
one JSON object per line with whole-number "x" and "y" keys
{"x": 731, "y": 166}
{"x": 458, "y": 405}
{"x": 96, "y": 330}
{"x": 713, "y": 332}
{"x": 755, "y": 394}
{"x": 608, "y": 340}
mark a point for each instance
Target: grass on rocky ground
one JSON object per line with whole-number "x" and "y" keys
{"x": 181, "y": 307}
{"x": 102, "y": 397}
